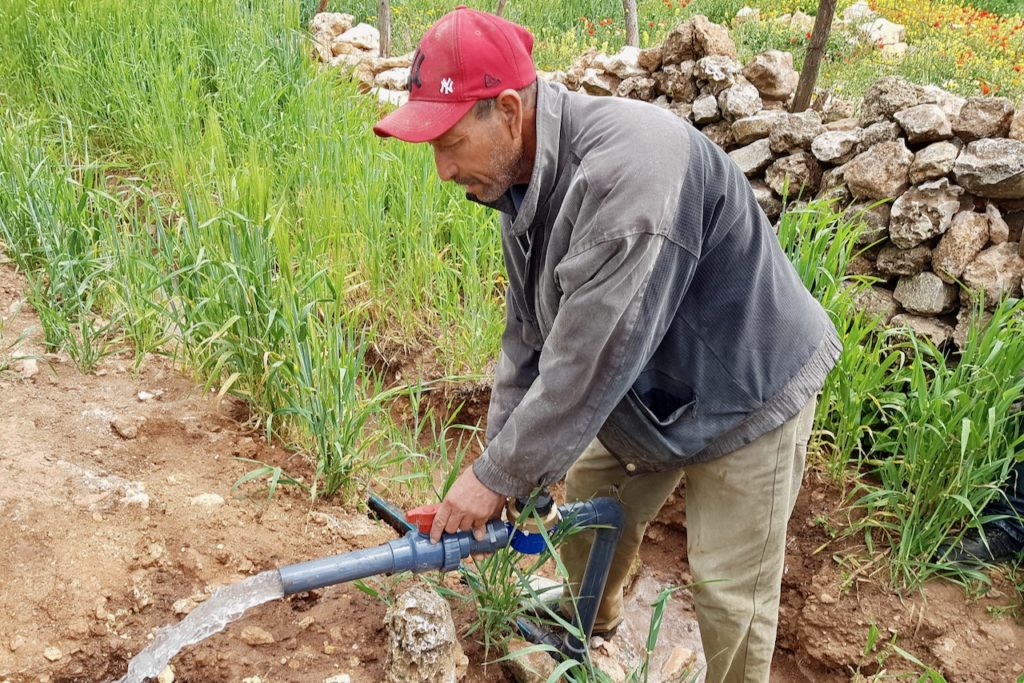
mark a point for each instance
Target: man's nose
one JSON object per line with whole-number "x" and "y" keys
{"x": 446, "y": 169}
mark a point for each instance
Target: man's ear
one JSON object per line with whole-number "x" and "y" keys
{"x": 510, "y": 107}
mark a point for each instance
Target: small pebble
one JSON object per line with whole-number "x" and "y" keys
{"x": 166, "y": 676}
{"x": 254, "y": 635}
{"x": 826, "y": 598}
{"x": 52, "y": 653}
{"x": 16, "y": 642}
{"x": 340, "y": 678}
{"x": 208, "y": 500}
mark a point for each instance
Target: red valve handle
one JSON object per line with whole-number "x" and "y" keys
{"x": 423, "y": 517}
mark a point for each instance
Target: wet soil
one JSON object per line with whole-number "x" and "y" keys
{"x": 118, "y": 513}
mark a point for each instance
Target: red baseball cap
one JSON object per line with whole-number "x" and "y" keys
{"x": 466, "y": 56}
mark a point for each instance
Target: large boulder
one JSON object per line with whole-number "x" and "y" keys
{"x": 926, "y": 294}
{"x": 887, "y": 96}
{"x": 895, "y": 261}
{"x": 795, "y": 175}
{"x": 881, "y": 172}
{"x": 796, "y": 131}
{"x": 836, "y": 147}
{"x": 984, "y": 117}
{"x": 997, "y": 271}
{"x": 422, "y": 646}
{"x": 966, "y": 237}
{"x": 923, "y": 212}
{"x": 934, "y": 161}
{"x": 924, "y": 123}
{"x": 992, "y": 168}
{"x": 773, "y": 75}
{"x": 753, "y": 158}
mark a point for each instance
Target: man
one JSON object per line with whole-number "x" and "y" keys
{"x": 653, "y": 325}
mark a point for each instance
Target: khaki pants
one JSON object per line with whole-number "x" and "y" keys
{"x": 737, "y": 508}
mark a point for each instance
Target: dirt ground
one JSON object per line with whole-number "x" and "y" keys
{"x": 117, "y": 515}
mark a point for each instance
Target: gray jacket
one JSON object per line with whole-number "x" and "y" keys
{"x": 649, "y": 302}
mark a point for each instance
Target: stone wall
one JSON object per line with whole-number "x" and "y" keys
{"x": 937, "y": 179}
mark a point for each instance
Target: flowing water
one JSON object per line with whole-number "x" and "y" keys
{"x": 225, "y": 605}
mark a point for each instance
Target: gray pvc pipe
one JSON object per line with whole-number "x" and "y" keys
{"x": 413, "y": 552}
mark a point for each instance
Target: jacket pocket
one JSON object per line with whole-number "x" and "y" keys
{"x": 662, "y": 399}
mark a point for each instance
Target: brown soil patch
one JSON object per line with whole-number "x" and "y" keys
{"x": 102, "y": 534}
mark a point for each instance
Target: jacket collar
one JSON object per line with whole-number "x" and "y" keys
{"x": 550, "y": 102}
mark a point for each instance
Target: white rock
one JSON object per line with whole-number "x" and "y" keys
{"x": 393, "y": 79}
{"x": 395, "y": 97}
{"x": 884, "y": 32}
{"x": 209, "y": 501}
{"x": 166, "y": 676}
{"x": 859, "y": 10}
{"x": 362, "y": 36}
{"x": 340, "y": 678}
{"x": 53, "y": 653}
{"x": 746, "y": 14}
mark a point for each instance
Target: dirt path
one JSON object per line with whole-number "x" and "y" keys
{"x": 117, "y": 514}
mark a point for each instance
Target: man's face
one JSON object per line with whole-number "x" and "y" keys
{"x": 481, "y": 154}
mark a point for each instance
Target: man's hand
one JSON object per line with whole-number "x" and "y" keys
{"x": 468, "y": 505}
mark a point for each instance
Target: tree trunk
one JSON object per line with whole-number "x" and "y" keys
{"x": 500, "y": 11}
{"x": 321, "y": 7}
{"x": 812, "y": 63}
{"x": 384, "y": 19}
{"x": 632, "y": 25}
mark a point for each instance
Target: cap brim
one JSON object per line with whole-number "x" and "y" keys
{"x": 421, "y": 120}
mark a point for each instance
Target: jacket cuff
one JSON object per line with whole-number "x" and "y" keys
{"x": 500, "y": 481}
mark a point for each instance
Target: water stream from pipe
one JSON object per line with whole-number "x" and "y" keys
{"x": 223, "y": 607}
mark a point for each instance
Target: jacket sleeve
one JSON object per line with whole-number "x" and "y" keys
{"x": 514, "y": 375}
{"x": 619, "y": 297}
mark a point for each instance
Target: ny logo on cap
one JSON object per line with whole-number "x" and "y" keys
{"x": 447, "y": 86}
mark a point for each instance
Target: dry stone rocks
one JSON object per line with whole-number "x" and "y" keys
{"x": 1017, "y": 126}
{"x": 880, "y": 172}
{"x": 711, "y": 39}
{"x": 718, "y": 72}
{"x": 837, "y": 146}
{"x": 754, "y": 158}
{"x": 936, "y": 331}
{"x": 949, "y": 103}
{"x": 934, "y": 161}
{"x": 677, "y": 81}
{"x": 895, "y": 261}
{"x": 877, "y": 302}
{"x": 966, "y": 318}
{"x": 924, "y": 123}
{"x": 361, "y": 38}
{"x": 798, "y": 174}
{"x": 624, "y": 64}
{"x": 833, "y": 187}
{"x": 720, "y": 133}
{"x": 966, "y": 237}
{"x": 877, "y": 133}
{"x": 766, "y": 199}
{"x": 751, "y": 128}
{"x": 422, "y": 645}
{"x": 923, "y": 212}
{"x": 992, "y": 168}
{"x": 998, "y": 229}
{"x": 705, "y": 110}
{"x": 740, "y": 101}
{"x": 325, "y": 27}
{"x": 650, "y": 58}
{"x": 926, "y": 294}
{"x": 997, "y": 271}
{"x": 984, "y": 117}
{"x": 875, "y": 217}
{"x": 887, "y": 96}
{"x": 637, "y": 88}
{"x": 773, "y": 75}
{"x": 796, "y": 131}
{"x": 598, "y": 82}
